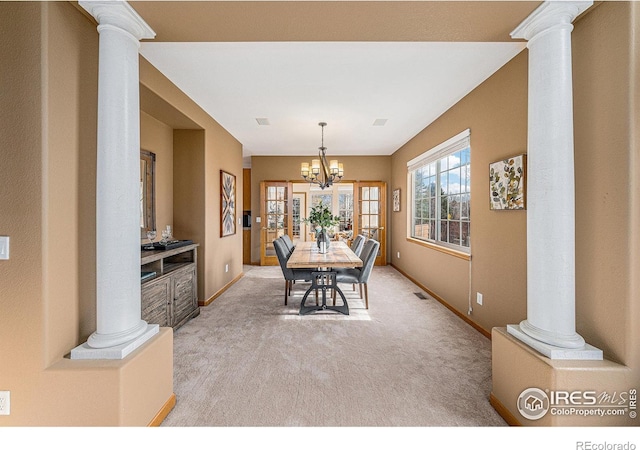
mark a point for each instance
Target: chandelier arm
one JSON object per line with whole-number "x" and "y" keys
{"x": 325, "y": 167}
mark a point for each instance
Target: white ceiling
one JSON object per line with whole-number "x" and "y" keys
{"x": 349, "y": 85}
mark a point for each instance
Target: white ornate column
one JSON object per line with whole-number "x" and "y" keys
{"x": 120, "y": 329}
{"x": 550, "y": 325}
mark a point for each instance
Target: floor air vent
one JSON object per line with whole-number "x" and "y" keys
{"x": 420, "y": 295}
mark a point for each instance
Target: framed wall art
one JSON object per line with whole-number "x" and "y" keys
{"x": 507, "y": 183}
{"x": 396, "y": 200}
{"x": 227, "y": 204}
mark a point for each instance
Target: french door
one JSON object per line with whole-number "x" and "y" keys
{"x": 370, "y": 199}
{"x": 275, "y": 217}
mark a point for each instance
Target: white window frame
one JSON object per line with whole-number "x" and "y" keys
{"x": 458, "y": 142}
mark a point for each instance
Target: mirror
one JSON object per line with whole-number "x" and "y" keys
{"x": 147, "y": 192}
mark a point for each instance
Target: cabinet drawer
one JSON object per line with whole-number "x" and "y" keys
{"x": 184, "y": 294}
{"x": 156, "y": 300}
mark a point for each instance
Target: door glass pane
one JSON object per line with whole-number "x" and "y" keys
{"x": 365, "y": 193}
{"x": 365, "y": 208}
{"x": 375, "y": 193}
{"x": 296, "y": 218}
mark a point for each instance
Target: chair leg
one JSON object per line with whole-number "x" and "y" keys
{"x": 360, "y": 284}
{"x": 286, "y": 291}
{"x": 333, "y": 294}
{"x": 366, "y": 296}
{"x": 317, "y": 303}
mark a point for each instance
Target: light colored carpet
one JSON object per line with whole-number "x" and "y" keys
{"x": 248, "y": 360}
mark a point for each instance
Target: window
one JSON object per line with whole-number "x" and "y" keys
{"x": 440, "y": 190}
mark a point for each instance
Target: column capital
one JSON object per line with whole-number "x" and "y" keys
{"x": 120, "y": 14}
{"x": 548, "y": 15}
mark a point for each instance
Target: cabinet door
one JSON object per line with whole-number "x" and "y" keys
{"x": 156, "y": 302}
{"x": 184, "y": 294}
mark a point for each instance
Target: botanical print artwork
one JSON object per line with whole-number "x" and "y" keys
{"x": 227, "y": 204}
{"x": 396, "y": 200}
{"x": 507, "y": 183}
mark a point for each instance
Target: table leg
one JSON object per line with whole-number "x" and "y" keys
{"x": 323, "y": 281}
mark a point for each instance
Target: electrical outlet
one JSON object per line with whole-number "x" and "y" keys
{"x": 5, "y": 403}
{"x": 479, "y": 298}
{"x": 226, "y": 268}
{"x": 398, "y": 255}
{"x": 4, "y": 247}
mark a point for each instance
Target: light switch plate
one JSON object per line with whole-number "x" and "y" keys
{"x": 258, "y": 219}
{"x": 5, "y": 403}
{"x": 4, "y": 247}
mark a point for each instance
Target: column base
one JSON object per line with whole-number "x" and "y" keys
{"x": 587, "y": 352}
{"x": 116, "y": 352}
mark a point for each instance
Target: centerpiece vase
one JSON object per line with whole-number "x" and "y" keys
{"x": 323, "y": 240}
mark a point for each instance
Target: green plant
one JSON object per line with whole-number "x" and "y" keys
{"x": 321, "y": 217}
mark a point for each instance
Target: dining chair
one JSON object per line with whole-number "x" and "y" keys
{"x": 288, "y": 242}
{"x": 290, "y": 275}
{"x": 356, "y": 245}
{"x": 360, "y": 275}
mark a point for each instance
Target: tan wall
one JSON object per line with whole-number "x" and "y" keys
{"x": 287, "y": 168}
{"x": 48, "y": 204}
{"x": 157, "y": 137}
{"x": 221, "y": 151}
{"x": 496, "y": 114}
{"x": 21, "y": 277}
{"x": 604, "y": 150}
{"x": 188, "y": 182}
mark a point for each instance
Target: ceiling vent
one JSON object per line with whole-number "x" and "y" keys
{"x": 263, "y": 121}
{"x": 379, "y": 122}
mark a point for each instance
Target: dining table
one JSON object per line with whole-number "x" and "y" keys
{"x": 307, "y": 255}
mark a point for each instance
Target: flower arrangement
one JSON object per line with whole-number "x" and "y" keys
{"x": 321, "y": 217}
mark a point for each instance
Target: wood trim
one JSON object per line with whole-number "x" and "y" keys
{"x": 221, "y": 291}
{"x": 439, "y": 248}
{"x": 164, "y": 412}
{"x": 381, "y": 260}
{"x": 484, "y": 332}
{"x": 503, "y": 411}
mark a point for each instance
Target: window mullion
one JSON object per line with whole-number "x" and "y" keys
{"x": 438, "y": 206}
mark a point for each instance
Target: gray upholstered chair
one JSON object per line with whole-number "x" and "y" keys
{"x": 360, "y": 275}
{"x": 357, "y": 244}
{"x": 290, "y": 275}
{"x": 288, "y": 242}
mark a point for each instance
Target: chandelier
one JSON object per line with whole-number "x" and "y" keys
{"x": 321, "y": 173}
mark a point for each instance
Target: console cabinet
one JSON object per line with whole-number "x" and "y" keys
{"x": 170, "y": 286}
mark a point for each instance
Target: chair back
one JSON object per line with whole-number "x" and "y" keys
{"x": 368, "y": 256}
{"x": 283, "y": 256}
{"x": 357, "y": 244}
{"x": 288, "y": 242}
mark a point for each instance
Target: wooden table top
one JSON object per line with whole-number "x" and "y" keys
{"x": 307, "y": 256}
